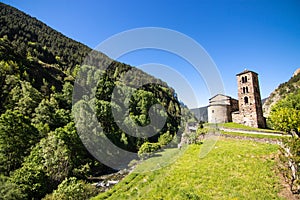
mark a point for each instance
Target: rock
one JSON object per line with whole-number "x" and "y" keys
{"x": 112, "y": 182}
{"x": 296, "y": 72}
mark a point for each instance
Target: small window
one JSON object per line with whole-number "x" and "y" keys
{"x": 245, "y": 79}
{"x": 247, "y": 90}
{"x": 246, "y": 100}
{"x": 213, "y": 111}
{"x": 244, "y": 90}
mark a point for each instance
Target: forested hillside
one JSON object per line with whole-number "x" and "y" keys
{"x": 40, "y": 150}
{"x": 291, "y": 86}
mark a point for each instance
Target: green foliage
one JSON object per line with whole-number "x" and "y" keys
{"x": 46, "y": 166}
{"x": 284, "y": 89}
{"x": 32, "y": 181}
{"x": 80, "y": 158}
{"x": 286, "y": 119}
{"x": 235, "y": 169}
{"x": 140, "y": 102}
{"x": 148, "y": 149}
{"x": 23, "y": 97}
{"x": 72, "y": 188}
{"x": 201, "y": 130}
{"x": 165, "y": 139}
{"x": 17, "y": 135}
{"x": 285, "y": 115}
{"x": 34, "y": 38}
{"x": 65, "y": 97}
{"x": 39, "y": 145}
{"x": 9, "y": 190}
{"x": 48, "y": 112}
{"x": 54, "y": 157}
{"x": 196, "y": 137}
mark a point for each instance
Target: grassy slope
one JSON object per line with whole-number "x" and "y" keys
{"x": 234, "y": 169}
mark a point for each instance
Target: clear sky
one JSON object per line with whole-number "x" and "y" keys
{"x": 263, "y": 36}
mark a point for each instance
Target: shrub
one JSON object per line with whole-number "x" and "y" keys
{"x": 71, "y": 188}
{"x": 165, "y": 139}
{"x": 148, "y": 149}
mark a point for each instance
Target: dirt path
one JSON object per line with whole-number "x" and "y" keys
{"x": 250, "y": 131}
{"x": 264, "y": 140}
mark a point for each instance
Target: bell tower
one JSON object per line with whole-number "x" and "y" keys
{"x": 250, "y": 106}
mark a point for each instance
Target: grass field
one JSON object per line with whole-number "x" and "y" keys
{"x": 234, "y": 169}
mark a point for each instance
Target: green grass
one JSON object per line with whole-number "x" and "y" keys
{"x": 234, "y": 169}
{"x": 252, "y": 135}
{"x": 241, "y": 126}
{"x": 160, "y": 160}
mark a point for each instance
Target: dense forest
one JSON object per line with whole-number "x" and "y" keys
{"x": 41, "y": 153}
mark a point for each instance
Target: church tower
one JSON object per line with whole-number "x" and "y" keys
{"x": 250, "y": 106}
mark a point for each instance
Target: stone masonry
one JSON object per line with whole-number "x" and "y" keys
{"x": 250, "y": 107}
{"x": 246, "y": 110}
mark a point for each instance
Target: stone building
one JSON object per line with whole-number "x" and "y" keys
{"x": 220, "y": 108}
{"x": 250, "y": 107}
{"x": 246, "y": 110}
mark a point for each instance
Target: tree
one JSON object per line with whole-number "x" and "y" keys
{"x": 65, "y": 97}
{"x": 78, "y": 154}
{"x": 286, "y": 119}
{"x": 285, "y": 115}
{"x": 49, "y": 113}
{"x": 24, "y": 97}
{"x": 72, "y": 188}
{"x": 47, "y": 165}
{"x": 9, "y": 190}
{"x": 32, "y": 181}
{"x": 17, "y": 135}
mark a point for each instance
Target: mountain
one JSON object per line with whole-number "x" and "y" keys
{"x": 39, "y": 143}
{"x": 200, "y": 113}
{"x": 291, "y": 86}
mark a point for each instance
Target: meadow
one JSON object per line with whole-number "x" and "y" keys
{"x": 234, "y": 169}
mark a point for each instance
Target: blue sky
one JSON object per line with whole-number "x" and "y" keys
{"x": 263, "y": 36}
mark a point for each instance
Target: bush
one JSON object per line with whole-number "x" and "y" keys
{"x": 148, "y": 149}
{"x": 72, "y": 188}
{"x": 165, "y": 139}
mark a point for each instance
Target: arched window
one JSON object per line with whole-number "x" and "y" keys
{"x": 243, "y": 80}
{"x": 244, "y": 90}
{"x": 246, "y": 100}
{"x": 247, "y": 90}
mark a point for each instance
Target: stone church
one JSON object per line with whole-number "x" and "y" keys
{"x": 246, "y": 110}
